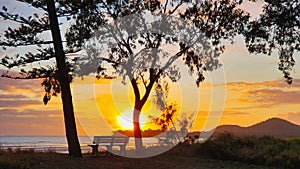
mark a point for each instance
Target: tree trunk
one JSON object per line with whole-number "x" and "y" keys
{"x": 70, "y": 125}
{"x": 136, "y": 128}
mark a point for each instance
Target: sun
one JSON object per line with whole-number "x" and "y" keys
{"x": 125, "y": 120}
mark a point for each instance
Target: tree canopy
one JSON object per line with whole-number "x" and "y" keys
{"x": 32, "y": 32}
{"x": 134, "y": 48}
{"x": 277, "y": 29}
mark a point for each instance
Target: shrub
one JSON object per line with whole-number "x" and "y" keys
{"x": 267, "y": 151}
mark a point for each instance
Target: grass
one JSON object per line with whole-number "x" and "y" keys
{"x": 226, "y": 152}
{"x": 268, "y": 151}
{"x": 177, "y": 158}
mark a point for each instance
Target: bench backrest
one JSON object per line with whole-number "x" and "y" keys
{"x": 111, "y": 139}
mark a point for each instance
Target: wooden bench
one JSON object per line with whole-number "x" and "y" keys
{"x": 109, "y": 142}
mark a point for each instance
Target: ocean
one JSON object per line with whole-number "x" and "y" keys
{"x": 55, "y": 143}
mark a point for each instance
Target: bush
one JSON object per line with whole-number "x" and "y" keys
{"x": 267, "y": 151}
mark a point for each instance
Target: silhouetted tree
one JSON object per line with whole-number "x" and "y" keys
{"x": 168, "y": 120}
{"x": 138, "y": 54}
{"x": 32, "y": 32}
{"x": 277, "y": 29}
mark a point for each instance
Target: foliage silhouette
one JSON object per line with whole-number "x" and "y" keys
{"x": 277, "y": 29}
{"x": 32, "y": 32}
{"x": 134, "y": 48}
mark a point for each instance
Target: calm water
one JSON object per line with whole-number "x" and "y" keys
{"x": 56, "y": 143}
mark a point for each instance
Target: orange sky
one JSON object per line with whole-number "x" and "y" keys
{"x": 246, "y": 90}
{"x": 23, "y": 113}
{"x": 250, "y": 88}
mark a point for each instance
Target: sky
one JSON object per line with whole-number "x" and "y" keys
{"x": 247, "y": 89}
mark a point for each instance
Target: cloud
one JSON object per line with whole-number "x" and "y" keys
{"x": 12, "y": 96}
{"x": 12, "y": 84}
{"x": 249, "y": 103}
{"x": 18, "y": 103}
{"x": 273, "y": 96}
{"x": 267, "y": 93}
{"x": 20, "y": 92}
{"x": 239, "y": 108}
{"x": 31, "y": 122}
{"x": 235, "y": 113}
{"x": 276, "y": 83}
{"x": 293, "y": 117}
{"x": 29, "y": 113}
{"x": 8, "y": 111}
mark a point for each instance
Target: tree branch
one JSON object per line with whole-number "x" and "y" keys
{"x": 35, "y": 73}
{"x": 173, "y": 58}
{"x": 23, "y": 78}
{"x": 10, "y": 44}
{"x": 143, "y": 79}
{"x": 13, "y": 18}
{"x": 177, "y": 6}
{"x": 165, "y": 7}
{"x": 26, "y": 33}
{"x": 147, "y": 93}
{"x": 44, "y": 54}
{"x": 109, "y": 60}
{"x": 107, "y": 8}
{"x": 135, "y": 88}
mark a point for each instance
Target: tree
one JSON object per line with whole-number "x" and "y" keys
{"x": 166, "y": 120}
{"x": 277, "y": 29}
{"x": 29, "y": 32}
{"x": 138, "y": 53}
{"x": 62, "y": 71}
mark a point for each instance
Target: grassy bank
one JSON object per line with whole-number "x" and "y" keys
{"x": 225, "y": 151}
{"x": 266, "y": 151}
{"x": 174, "y": 159}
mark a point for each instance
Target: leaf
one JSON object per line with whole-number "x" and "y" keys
{"x": 36, "y": 15}
{"x": 23, "y": 71}
{"x": 46, "y": 99}
{"x": 4, "y": 8}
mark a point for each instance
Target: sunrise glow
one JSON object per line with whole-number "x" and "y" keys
{"x": 125, "y": 120}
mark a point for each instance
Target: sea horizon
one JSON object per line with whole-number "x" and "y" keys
{"x": 56, "y": 144}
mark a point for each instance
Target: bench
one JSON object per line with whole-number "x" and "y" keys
{"x": 109, "y": 142}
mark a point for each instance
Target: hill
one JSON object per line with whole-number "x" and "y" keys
{"x": 272, "y": 127}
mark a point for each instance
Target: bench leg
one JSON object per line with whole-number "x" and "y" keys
{"x": 95, "y": 150}
{"x": 122, "y": 150}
